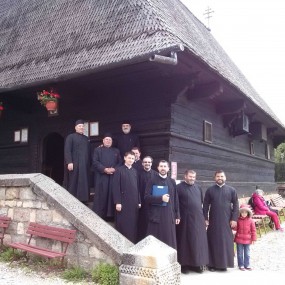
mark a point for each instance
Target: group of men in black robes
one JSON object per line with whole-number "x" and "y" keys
{"x": 218, "y": 211}
{"x": 178, "y": 217}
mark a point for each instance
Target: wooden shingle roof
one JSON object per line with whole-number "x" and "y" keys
{"x": 49, "y": 39}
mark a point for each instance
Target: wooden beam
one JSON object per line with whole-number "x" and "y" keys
{"x": 231, "y": 107}
{"x": 228, "y": 119}
{"x": 209, "y": 90}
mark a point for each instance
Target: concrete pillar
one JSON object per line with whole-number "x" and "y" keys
{"x": 150, "y": 262}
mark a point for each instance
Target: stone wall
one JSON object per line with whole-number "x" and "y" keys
{"x": 37, "y": 198}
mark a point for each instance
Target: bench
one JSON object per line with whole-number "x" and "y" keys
{"x": 261, "y": 221}
{"x": 279, "y": 204}
{"x": 4, "y": 224}
{"x": 65, "y": 236}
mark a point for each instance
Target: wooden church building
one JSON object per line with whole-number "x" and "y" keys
{"x": 149, "y": 61}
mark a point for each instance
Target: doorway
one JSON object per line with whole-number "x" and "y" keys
{"x": 53, "y": 157}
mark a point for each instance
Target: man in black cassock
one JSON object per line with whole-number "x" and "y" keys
{"x": 138, "y": 162}
{"x": 106, "y": 159}
{"x": 163, "y": 210}
{"x": 221, "y": 211}
{"x": 126, "y": 198}
{"x": 144, "y": 176}
{"x": 126, "y": 140}
{"x": 77, "y": 163}
{"x": 192, "y": 244}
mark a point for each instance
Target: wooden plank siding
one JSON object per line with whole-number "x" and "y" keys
{"x": 226, "y": 152}
{"x": 169, "y": 126}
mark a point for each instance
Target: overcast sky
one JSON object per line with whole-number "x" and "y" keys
{"x": 252, "y": 34}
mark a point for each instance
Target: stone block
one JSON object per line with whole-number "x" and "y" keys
{"x": 82, "y": 249}
{"x": 96, "y": 253}
{"x": 150, "y": 262}
{"x": 43, "y": 217}
{"x": 12, "y": 193}
{"x": 2, "y": 193}
{"x": 10, "y": 203}
{"x": 32, "y": 204}
{"x": 45, "y": 206}
{"x": 27, "y": 194}
{"x": 56, "y": 217}
{"x": 20, "y": 229}
{"x": 21, "y": 215}
{"x": 33, "y": 215}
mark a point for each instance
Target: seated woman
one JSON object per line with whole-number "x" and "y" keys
{"x": 261, "y": 208}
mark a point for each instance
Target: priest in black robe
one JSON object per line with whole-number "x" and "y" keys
{"x": 145, "y": 174}
{"x": 192, "y": 244}
{"x": 77, "y": 154}
{"x": 106, "y": 159}
{"x": 138, "y": 162}
{"x": 127, "y": 139}
{"x": 126, "y": 198}
{"x": 163, "y": 210}
{"x": 221, "y": 210}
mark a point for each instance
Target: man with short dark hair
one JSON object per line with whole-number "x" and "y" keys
{"x": 163, "y": 209}
{"x": 126, "y": 198}
{"x": 138, "y": 162}
{"x": 221, "y": 210}
{"x": 145, "y": 174}
{"x": 192, "y": 243}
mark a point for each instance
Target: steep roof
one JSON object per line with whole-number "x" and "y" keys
{"x": 46, "y": 39}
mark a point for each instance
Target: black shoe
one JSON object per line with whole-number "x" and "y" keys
{"x": 212, "y": 269}
{"x": 184, "y": 269}
{"x": 221, "y": 269}
{"x": 198, "y": 269}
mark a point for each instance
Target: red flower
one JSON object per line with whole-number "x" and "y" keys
{"x": 45, "y": 96}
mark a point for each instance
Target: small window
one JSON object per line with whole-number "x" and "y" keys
{"x": 267, "y": 151}
{"x": 251, "y": 145}
{"x": 208, "y": 132}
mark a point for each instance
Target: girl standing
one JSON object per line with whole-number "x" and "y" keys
{"x": 245, "y": 236}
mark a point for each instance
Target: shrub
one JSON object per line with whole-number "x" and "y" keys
{"x": 105, "y": 274}
{"x": 75, "y": 274}
{"x": 8, "y": 254}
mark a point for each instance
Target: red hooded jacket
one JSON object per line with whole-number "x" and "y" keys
{"x": 245, "y": 230}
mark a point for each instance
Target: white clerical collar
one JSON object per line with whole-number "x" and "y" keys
{"x": 163, "y": 176}
{"x": 220, "y": 185}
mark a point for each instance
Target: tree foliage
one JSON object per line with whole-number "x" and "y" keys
{"x": 280, "y": 153}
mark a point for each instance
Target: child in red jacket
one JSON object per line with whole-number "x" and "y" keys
{"x": 244, "y": 237}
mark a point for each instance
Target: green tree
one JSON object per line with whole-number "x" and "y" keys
{"x": 279, "y": 153}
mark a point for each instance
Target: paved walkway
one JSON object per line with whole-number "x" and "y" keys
{"x": 267, "y": 260}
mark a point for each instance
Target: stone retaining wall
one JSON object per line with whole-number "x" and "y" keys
{"x": 37, "y": 198}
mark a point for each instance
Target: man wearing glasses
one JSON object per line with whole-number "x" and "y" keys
{"x": 145, "y": 174}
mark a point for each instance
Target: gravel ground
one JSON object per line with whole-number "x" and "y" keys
{"x": 268, "y": 253}
{"x": 267, "y": 260}
{"x": 15, "y": 275}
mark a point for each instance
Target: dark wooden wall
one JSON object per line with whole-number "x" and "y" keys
{"x": 232, "y": 154}
{"x": 170, "y": 128}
